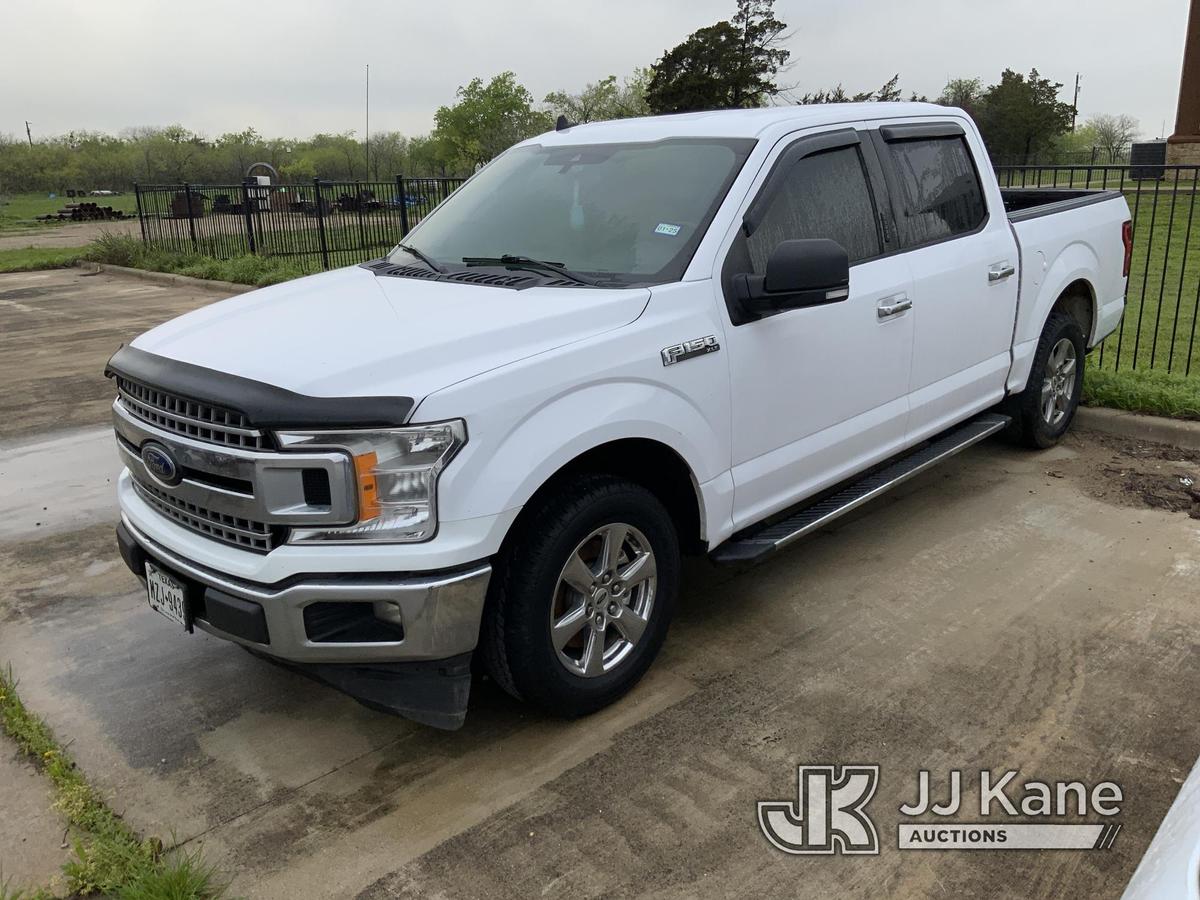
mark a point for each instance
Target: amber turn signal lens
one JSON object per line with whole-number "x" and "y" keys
{"x": 368, "y": 489}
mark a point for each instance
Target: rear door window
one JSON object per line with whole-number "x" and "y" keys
{"x": 825, "y": 196}
{"x": 938, "y": 190}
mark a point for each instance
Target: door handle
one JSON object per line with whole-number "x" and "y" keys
{"x": 893, "y": 306}
{"x": 1000, "y": 272}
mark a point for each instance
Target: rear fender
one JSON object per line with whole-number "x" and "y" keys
{"x": 1077, "y": 262}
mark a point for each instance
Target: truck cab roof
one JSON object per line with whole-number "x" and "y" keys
{"x": 737, "y": 123}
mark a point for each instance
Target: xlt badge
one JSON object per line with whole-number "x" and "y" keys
{"x": 689, "y": 349}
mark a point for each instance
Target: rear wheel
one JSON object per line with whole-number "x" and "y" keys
{"x": 582, "y": 596}
{"x": 1044, "y": 410}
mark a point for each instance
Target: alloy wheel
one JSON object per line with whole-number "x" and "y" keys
{"x": 603, "y": 600}
{"x": 1058, "y": 383}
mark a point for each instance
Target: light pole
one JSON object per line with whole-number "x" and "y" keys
{"x": 367, "y": 130}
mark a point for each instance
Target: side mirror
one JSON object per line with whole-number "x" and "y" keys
{"x": 800, "y": 273}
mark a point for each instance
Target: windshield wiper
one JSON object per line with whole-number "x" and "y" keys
{"x": 528, "y": 262}
{"x": 413, "y": 251}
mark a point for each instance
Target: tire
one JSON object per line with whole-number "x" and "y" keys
{"x": 532, "y": 582}
{"x": 1043, "y": 412}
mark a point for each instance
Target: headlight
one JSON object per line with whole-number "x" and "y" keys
{"x": 397, "y": 473}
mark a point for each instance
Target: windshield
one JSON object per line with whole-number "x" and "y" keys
{"x": 619, "y": 213}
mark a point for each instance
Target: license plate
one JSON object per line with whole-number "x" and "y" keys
{"x": 167, "y": 595}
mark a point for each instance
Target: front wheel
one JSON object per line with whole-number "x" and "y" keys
{"x": 582, "y": 596}
{"x": 1044, "y": 410}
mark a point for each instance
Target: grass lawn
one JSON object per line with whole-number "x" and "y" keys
{"x": 1160, "y": 327}
{"x": 20, "y": 211}
{"x": 32, "y": 258}
{"x": 1160, "y": 324}
{"x": 1156, "y": 393}
{"x": 110, "y": 858}
{"x": 122, "y": 250}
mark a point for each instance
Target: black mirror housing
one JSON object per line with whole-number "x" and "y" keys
{"x": 808, "y": 272}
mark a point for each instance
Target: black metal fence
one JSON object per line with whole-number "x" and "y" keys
{"x": 1163, "y": 298}
{"x": 329, "y": 223}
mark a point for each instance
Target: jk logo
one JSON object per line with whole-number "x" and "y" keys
{"x": 830, "y": 816}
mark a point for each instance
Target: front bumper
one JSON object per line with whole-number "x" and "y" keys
{"x": 423, "y": 674}
{"x": 439, "y": 613}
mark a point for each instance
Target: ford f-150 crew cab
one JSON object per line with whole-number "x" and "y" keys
{"x": 616, "y": 343}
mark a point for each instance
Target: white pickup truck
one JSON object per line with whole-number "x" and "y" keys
{"x": 616, "y": 343}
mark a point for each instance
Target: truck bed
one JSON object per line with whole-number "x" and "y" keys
{"x": 1029, "y": 203}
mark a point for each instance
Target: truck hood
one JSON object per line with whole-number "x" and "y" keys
{"x": 350, "y": 333}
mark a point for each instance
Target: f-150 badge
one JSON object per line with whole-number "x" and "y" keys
{"x": 689, "y": 349}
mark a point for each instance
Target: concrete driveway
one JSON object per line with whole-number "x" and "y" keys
{"x": 1008, "y": 610}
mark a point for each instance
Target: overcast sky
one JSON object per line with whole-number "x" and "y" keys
{"x": 295, "y": 67}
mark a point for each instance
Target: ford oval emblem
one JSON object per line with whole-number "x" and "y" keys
{"x": 161, "y": 464}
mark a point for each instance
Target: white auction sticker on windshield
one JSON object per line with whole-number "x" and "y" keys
{"x": 667, "y": 228}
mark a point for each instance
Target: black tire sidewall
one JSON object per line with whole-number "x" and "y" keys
{"x": 530, "y": 577}
{"x": 1037, "y": 431}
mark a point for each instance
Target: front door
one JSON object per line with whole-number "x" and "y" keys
{"x": 818, "y": 393}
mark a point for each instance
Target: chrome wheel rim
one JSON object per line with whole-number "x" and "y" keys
{"x": 1058, "y": 382}
{"x": 603, "y": 600}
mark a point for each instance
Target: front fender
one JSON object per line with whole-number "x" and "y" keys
{"x": 514, "y": 458}
{"x": 528, "y": 420}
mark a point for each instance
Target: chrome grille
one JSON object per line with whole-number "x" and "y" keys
{"x": 201, "y": 421}
{"x": 245, "y": 533}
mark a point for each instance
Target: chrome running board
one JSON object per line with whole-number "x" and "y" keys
{"x": 759, "y": 542}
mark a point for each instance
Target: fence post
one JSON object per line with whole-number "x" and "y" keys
{"x": 403, "y": 205}
{"x": 187, "y": 198}
{"x": 359, "y": 201}
{"x": 249, "y": 218}
{"x": 137, "y": 194}
{"x": 321, "y": 223}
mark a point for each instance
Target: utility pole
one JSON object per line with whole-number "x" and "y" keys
{"x": 367, "y": 130}
{"x": 29, "y": 134}
{"x": 1075, "y": 103}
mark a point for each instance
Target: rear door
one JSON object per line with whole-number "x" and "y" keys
{"x": 817, "y": 393}
{"x": 963, "y": 261}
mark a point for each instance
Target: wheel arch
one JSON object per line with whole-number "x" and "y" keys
{"x": 647, "y": 462}
{"x": 1078, "y": 300}
{"x": 1067, "y": 286}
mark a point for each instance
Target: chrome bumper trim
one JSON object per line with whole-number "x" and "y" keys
{"x": 441, "y": 612}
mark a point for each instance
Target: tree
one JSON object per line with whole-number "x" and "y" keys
{"x": 431, "y": 154}
{"x": 488, "y": 119}
{"x": 1113, "y": 134}
{"x": 241, "y": 149}
{"x": 602, "y": 100}
{"x": 593, "y": 104}
{"x": 631, "y": 99}
{"x": 889, "y": 92}
{"x": 176, "y": 148}
{"x": 1021, "y": 117}
{"x": 964, "y": 93}
{"x": 729, "y": 65}
{"x": 389, "y": 154}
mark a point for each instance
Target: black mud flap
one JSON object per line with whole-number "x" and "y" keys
{"x": 433, "y": 693}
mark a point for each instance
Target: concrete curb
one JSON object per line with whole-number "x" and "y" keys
{"x": 224, "y": 287}
{"x": 1178, "y": 432}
